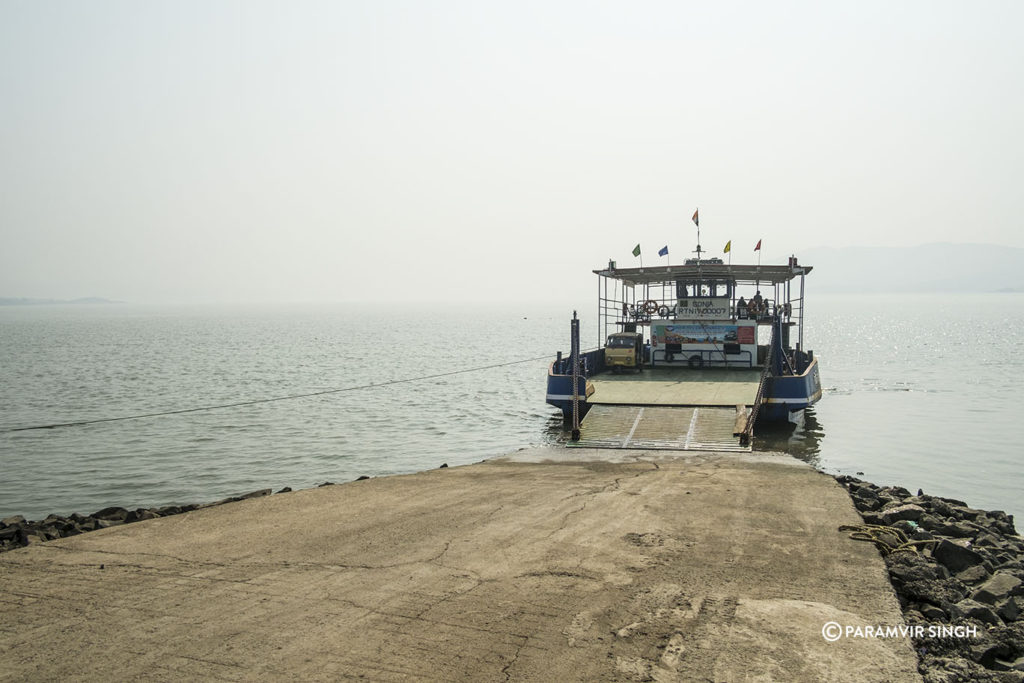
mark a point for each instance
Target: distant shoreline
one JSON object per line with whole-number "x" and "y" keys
{"x": 25, "y": 301}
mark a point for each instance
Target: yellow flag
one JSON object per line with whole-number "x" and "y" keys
{"x": 728, "y": 247}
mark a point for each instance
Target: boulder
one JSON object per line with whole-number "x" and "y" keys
{"x": 896, "y": 492}
{"x": 939, "y": 507}
{"x": 956, "y": 530}
{"x": 907, "y": 567}
{"x": 865, "y": 501}
{"x": 955, "y": 556}
{"x": 872, "y": 518}
{"x": 246, "y": 496}
{"x": 985, "y": 653}
{"x": 988, "y": 540}
{"x": 28, "y": 537}
{"x": 909, "y": 512}
{"x": 931, "y": 522}
{"x": 111, "y": 513}
{"x": 973, "y": 575}
{"x": 932, "y": 613}
{"x": 975, "y": 610}
{"x": 916, "y": 579}
{"x": 922, "y": 535}
{"x": 998, "y": 588}
{"x": 970, "y": 514}
{"x": 13, "y": 520}
{"x": 140, "y": 515}
{"x": 1000, "y": 516}
{"x": 1008, "y": 610}
{"x": 89, "y": 525}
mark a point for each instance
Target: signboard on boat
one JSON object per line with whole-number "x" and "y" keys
{"x": 732, "y": 344}
{"x": 709, "y": 308}
{"x": 688, "y": 333}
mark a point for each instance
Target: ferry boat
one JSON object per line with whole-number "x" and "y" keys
{"x": 689, "y": 356}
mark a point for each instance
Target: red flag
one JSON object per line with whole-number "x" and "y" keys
{"x": 696, "y": 218}
{"x": 758, "y": 247}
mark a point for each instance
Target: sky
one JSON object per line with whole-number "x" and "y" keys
{"x": 488, "y": 151}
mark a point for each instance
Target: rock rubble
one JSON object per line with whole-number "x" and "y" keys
{"x": 18, "y": 532}
{"x": 964, "y": 574}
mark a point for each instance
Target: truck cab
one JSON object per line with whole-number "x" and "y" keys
{"x": 624, "y": 350}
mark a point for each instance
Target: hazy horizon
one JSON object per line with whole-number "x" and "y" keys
{"x": 835, "y": 271}
{"x": 198, "y": 151}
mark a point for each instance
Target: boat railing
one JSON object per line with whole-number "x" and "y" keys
{"x": 591, "y": 363}
{"x": 667, "y": 310}
{"x": 766, "y": 312}
{"x": 802, "y": 361}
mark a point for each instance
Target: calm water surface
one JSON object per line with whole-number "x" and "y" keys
{"x": 919, "y": 391}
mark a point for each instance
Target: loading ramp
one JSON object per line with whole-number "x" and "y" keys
{"x": 704, "y": 428}
{"x": 671, "y": 409}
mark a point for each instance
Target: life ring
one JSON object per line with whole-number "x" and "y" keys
{"x": 650, "y": 307}
{"x": 695, "y": 361}
{"x": 663, "y": 311}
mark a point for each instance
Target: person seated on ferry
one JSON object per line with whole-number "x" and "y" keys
{"x": 758, "y": 303}
{"x": 741, "y": 308}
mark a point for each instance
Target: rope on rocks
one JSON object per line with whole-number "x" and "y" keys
{"x": 887, "y": 539}
{"x": 269, "y": 400}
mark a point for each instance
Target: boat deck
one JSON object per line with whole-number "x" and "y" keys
{"x": 678, "y": 387}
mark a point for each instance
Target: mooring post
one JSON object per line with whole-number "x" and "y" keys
{"x": 574, "y": 358}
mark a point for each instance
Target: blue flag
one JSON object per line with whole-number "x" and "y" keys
{"x": 663, "y": 251}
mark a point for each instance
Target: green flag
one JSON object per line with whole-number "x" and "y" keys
{"x": 636, "y": 250}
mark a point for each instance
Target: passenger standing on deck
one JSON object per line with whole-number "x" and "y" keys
{"x": 757, "y": 303}
{"x": 741, "y": 308}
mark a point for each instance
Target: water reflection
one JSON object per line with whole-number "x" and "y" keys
{"x": 801, "y": 437}
{"x": 556, "y": 431}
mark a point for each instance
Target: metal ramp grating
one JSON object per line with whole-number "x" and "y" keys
{"x": 705, "y": 428}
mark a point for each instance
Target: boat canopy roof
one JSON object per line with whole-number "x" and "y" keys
{"x": 705, "y": 271}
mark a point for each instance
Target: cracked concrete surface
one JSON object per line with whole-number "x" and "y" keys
{"x": 544, "y": 565}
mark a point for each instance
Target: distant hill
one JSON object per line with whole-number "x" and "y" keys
{"x": 928, "y": 268}
{"x": 22, "y": 301}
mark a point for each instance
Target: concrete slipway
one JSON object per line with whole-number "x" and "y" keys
{"x": 547, "y": 565}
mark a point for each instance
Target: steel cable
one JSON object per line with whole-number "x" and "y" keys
{"x": 274, "y": 399}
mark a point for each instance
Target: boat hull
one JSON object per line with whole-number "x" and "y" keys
{"x": 559, "y": 389}
{"x": 788, "y": 394}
